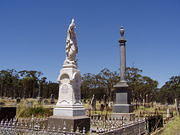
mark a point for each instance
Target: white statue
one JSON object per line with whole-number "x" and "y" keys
{"x": 69, "y": 99}
{"x": 71, "y": 45}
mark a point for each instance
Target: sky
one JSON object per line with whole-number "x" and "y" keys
{"x": 33, "y": 33}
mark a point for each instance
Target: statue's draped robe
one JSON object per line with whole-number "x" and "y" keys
{"x": 71, "y": 44}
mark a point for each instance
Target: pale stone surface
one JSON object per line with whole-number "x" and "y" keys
{"x": 69, "y": 87}
{"x": 69, "y": 99}
{"x": 71, "y": 45}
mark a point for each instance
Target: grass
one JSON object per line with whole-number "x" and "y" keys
{"x": 36, "y": 109}
{"x": 149, "y": 111}
{"x": 173, "y": 127}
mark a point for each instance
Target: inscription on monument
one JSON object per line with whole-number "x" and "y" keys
{"x": 64, "y": 89}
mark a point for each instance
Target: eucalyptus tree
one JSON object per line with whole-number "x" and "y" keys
{"x": 8, "y": 82}
{"x": 99, "y": 84}
{"x": 41, "y": 86}
{"x": 29, "y": 81}
{"x": 142, "y": 87}
{"x": 170, "y": 90}
{"x": 107, "y": 79}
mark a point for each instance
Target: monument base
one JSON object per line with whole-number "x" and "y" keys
{"x": 124, "y": 116}
{"x": 69, "y": 111}
{"x": 122, "y": 108}
{"x": 69, "y": 123}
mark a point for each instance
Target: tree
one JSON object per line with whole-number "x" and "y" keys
{"x": 107, "y": 80}
{"x": 142, "y": 87}
{"x": 30, "y": 82}
{"x": 170, "y": 90}
{"x": 8, "y": 82}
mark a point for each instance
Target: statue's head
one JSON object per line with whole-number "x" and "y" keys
{"x": 72, "y": 25}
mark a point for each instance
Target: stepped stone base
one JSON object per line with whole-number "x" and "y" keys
{"x": 69, "y": 111}
{"x": 69, "y": 123}
{"x": 123, "y": 108}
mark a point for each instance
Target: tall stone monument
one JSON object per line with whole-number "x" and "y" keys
{"x": 69, "y": 109}
{"x": 122, "y": 103}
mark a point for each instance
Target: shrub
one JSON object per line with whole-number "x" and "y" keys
{"x": 35, "y": 111}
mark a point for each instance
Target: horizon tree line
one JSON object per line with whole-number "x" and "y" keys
{"x": 31, "y": 84}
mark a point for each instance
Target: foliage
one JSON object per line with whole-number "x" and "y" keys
{"x": 31, "y": 84}
{"x": 37, "y": 111}
{"x": 25, "y": 84}
{"x": 101, "y": 84}
{"x": 170, "y": 90}
{"x": 142, "y": 87}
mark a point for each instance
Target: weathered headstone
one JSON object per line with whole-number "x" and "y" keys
{"x": 52, "y": 99}
{"x": 39, "y": 99}
{"x": 104, "y": 99}
{"x": 18, "y": 100}
{"x": 93, "y": 103}
{"x": 177, "y": 106}
{"x": 168, "y": 113}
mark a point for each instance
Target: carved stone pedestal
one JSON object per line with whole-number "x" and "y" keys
{"x": 69, "y": 112}
{"x": 123, "y": 100}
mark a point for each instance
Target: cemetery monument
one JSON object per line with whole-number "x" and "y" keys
{"x": 69, "y": 109}
{"x": 122, "y": 105}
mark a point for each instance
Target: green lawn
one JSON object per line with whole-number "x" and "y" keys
{"x": 172, "y": 128}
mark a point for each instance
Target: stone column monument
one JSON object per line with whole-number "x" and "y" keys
{"x": 69, "y": 109}
{"x": 122, "y": 105}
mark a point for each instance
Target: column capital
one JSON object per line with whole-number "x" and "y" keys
{"x": 122, "y": 41}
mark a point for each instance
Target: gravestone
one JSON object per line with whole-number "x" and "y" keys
{"x": 52, "y": 99}
{"x": 177, "y": 106}
{"x": 18, "y": 100}
{"x": 93, "y": 103}
{"x": 39, "y": 99}
{"x": 169, "y": 114}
